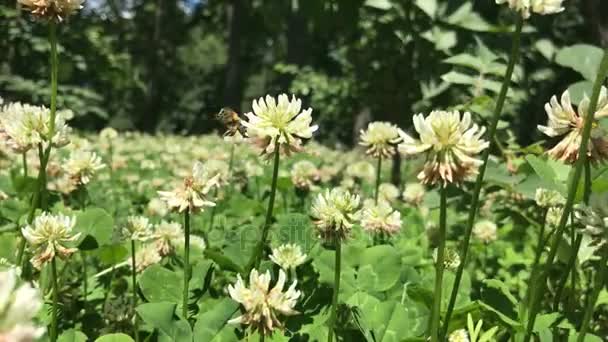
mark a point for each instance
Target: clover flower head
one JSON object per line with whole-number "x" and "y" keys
{"x": 554, "y": 215}
{"x": 527, "y": 7}
{"x": 546, "y": 198}
{"x": 157, "y": 207}
{"x": 219, "y": 168}
{"x": 146, "y": 257}
{"x": 166, "y": 235}
{"x": 380, "y": 218}
{"x": 279, "y": 121}
{"x": 361, "y": 170}
{"x": 380, "y": 139}
{"x": 137, "y": 228}
{"x": 485, "y": 231}
{"x": 450, "y": 142}
{"x": 594, "y": 224}
{"x": 48, "y": 234}
{"x": 253, "y": 169}
{"x": 334, "y": 212}
{"x": 451, "y": 258}
{"x": 108, "y": 134}
{"x": 18, "y": 307}
{"x": 288, "y": 256}
{"x": 568, "y": 123}
{"x": 264, "y": 306}
{"x": 23, "y": 126}
{"x": 414, "y": 193}
{"x": 388, "y": 192}
{"x": 82, "y": 166}
{"x": 56, "y": 10}
{"x": 193, "y": 193}
{"x": 304, "y": 175}
{"x": 459, "y": 335}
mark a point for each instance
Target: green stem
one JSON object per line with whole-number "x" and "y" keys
{"x": 24, "y": 162}
{"x": 570, "y": 267}
{"x": 258, "y": 252}
{"x": 573, "y": 185}
{"x": 84, "y": 278}
{"x": 439, "y": 266}
{"x": 211, "y": 222}
{"x": 134, "y": 285}
{"x": 600, "y": 279}
{"x": 514, "y": 56}
{"x": 378, "y": 178}
{"x": 538, "y": 253}
{"x": 186, "y": 264}
{"x": 44, "y": 156}
{"x": 334, "y": 300}
{"x": 53, "y": 329}
{"x": 231, "y": 162}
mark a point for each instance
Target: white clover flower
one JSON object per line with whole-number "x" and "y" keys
{"x": 263, "y": 306}
{"x": 165, "y": 235}
{"x": 333, "y": 213}
{"x": 451, "y": 259}
{"x": 56, "y": 10}
{"x": 158, "y": 207}
{"x": 380, "y": 218}
{"x": 18, "y": 307}
{"x": 108, "y": 134}
{"x": 288, "y": 256}
{"x": 193, "y": 192}
{"x": 450, "y": 143}
{"x": 82, "y": 166}
{"x": 526, "y": 7}
{"x": 145, "y": 257}
{"x": 545, "y": 198}
{"x": 219, "y": 168}
{"x": 565, "y": 122}
{"x": 545, "y": 7}
{"x": 459, "y": 335}
{"x": 414, "y": 193}
{"x": 362, "y": 170}
{"x": 594, "y": 224}
{"x": 24, "y": 126}
{"x": 380, "y": 138}
{"x": 195, "y": 241}
{"x": 253, "y": 169}
{"x": 304, "y": 175}
{"x": 137, "y": 228}
{"x": 279, "y": 119}
{"x": 485, "y": 231}
{"x": 554, "y": 215}
{"x": 388, "y": 192}
{"x": 47, "y": 234}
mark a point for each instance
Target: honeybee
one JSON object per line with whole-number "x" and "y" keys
{"x": 231, "y": 119}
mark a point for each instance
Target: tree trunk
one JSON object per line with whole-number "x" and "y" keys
{"x": 233, "y": 86}
{"x": 597, "y": 20}
{"x": 149, "y": 121}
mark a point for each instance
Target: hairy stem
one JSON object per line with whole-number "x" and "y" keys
{"x": 258, "y": 252}
{"x": 186, "y": 264}
{"x": 334, "y": 301}
{"x": 600, "y": 279}
{"x": 134, "y": 285}
{"x": 53, "y": 329}
{"x": 514, "y": 56}
{"x": 378, "y": 178}
{"x": 439, "y": 266}
{"x": 539, "y": 286}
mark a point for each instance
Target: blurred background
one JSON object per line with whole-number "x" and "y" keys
{"x": 170, "y": 65}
